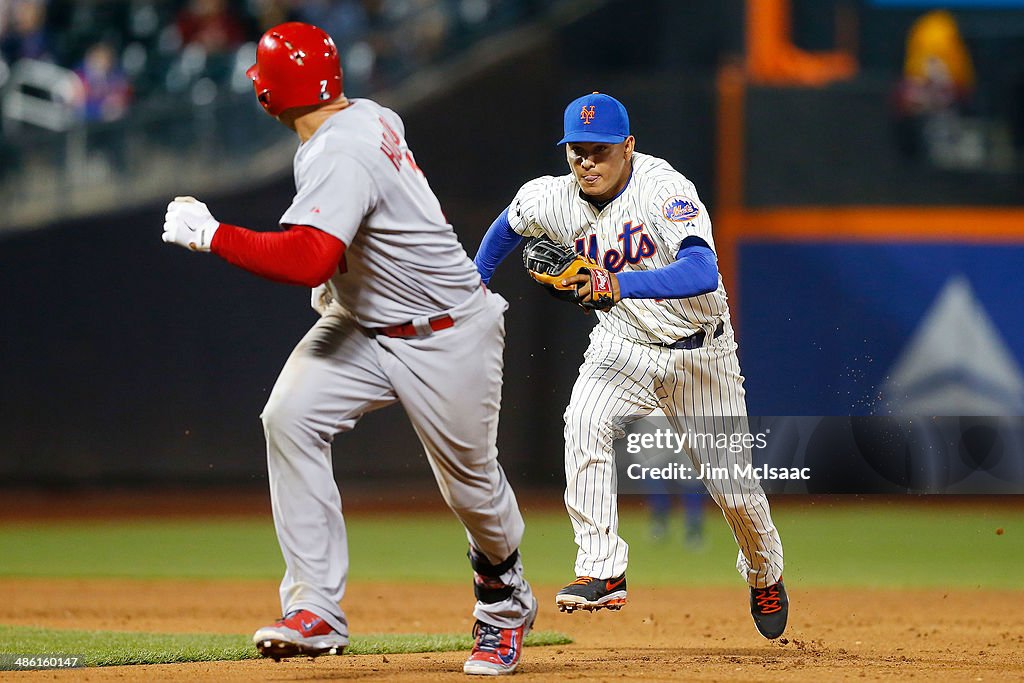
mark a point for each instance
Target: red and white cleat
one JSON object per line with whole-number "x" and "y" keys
{"x": 496, "y": 651}
{"x": 299, "y": 634}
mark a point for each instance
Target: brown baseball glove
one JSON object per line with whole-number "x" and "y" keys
{"x": 549, "y": 263}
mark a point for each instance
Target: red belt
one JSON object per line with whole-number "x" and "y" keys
{"x": 437, "y": 323}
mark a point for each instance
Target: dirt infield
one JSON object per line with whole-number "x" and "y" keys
{"x": 663, "y": 634}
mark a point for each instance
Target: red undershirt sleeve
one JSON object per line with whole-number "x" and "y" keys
{"x": 300, "y": 255}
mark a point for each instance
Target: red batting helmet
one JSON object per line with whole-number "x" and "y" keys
{"x": 296, "y": 65}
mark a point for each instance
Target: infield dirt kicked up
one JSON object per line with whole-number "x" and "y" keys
{"x": 662, "y": 634}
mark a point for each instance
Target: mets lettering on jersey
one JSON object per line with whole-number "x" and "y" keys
{"x": 635, "y": 247}
{"x": 641, "y": 229}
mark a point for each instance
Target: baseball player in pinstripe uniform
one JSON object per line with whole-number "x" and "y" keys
{"x": 663, "y": 340}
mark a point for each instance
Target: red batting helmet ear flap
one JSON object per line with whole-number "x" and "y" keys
{"x": 262, "y": 94}
{"x": 297, "y": 65}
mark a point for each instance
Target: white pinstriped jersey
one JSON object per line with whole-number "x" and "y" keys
{"x": 640, "y": 229}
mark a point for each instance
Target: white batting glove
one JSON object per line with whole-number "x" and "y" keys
{"x": 188, "y": 223}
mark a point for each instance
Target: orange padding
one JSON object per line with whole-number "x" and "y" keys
{"x": 772, "y": 58}
{"x": 883, "y": 224}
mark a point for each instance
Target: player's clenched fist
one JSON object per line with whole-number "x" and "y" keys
{"x": 599, "y": 289}
{"x": 188, "y": 223}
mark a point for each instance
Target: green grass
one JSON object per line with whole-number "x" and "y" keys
{"x": 864, "y": 544}
{"x": 111, "y": 648}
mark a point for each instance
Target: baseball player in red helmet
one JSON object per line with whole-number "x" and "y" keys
{"x": 400, "y": 304}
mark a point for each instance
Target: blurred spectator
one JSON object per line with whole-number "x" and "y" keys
{"x": 352, "y": 24}
{"x": 156, "y": 47}
{"x": 427, "y": 25}
{"x": 212, "y": 25}
{"x": 23, "y": 33}
{"x": 937, "y": 84}
{"x": 432, "y": 32}
{"x": 937, "y": 72}
{"x": 106, "y": 92}
{"x": 345, "y": 20}
{"x": 692, "y": 496}
{"x": 270, "y": 13}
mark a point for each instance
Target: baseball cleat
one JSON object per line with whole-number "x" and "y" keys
{"x": 496, "y": 650}
{"x": 591, "y": 594}
{"x": 770, "y": 608}
{"x": 297, "y": 634}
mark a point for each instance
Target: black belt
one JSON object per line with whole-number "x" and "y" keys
{"x": 696, "y": 340}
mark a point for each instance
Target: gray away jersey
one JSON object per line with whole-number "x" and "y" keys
{"x": 357, "y": 180}
{"x": 641, "y": 229}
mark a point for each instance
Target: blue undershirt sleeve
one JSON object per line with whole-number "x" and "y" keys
{"x": 498, "y": 243}
{"x": 694, "y": 272}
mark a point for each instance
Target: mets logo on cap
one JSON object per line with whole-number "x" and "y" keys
{"x": 681, "y": 209}
{"x": 595, "y": 118}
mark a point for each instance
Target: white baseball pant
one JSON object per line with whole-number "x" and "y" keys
{"x": 621, "y": 381}
{"x": 450, "y": 386}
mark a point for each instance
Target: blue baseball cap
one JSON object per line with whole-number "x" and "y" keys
{"x": 595, "y": 118}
